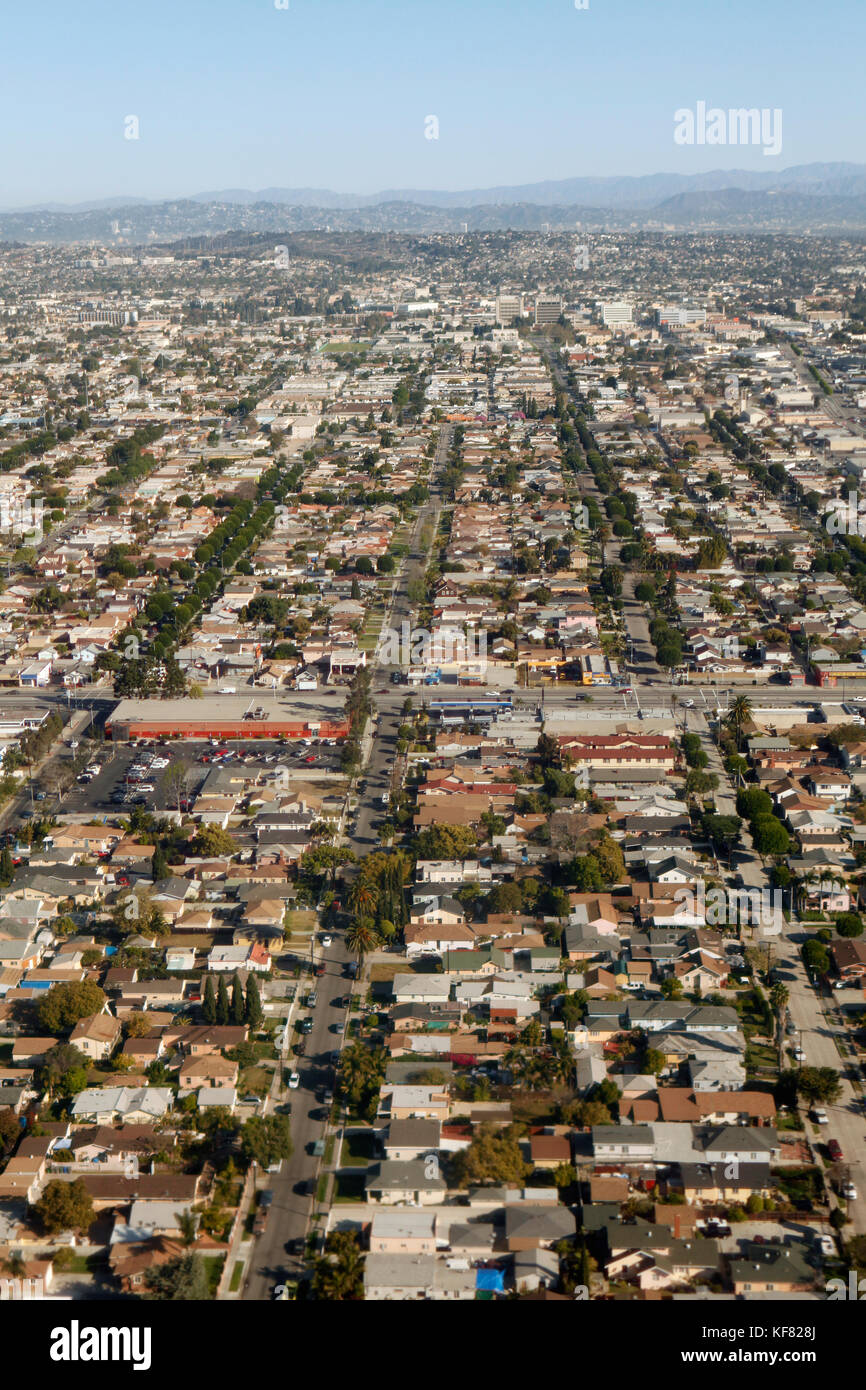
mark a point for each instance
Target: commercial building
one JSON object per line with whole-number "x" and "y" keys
{"x": 548, "y": 308}
{"x": 222, "y": 718}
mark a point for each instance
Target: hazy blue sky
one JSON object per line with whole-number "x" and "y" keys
{"x": 334, "y": 93}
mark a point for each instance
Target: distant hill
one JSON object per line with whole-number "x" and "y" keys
{"x": 826, "y": 197}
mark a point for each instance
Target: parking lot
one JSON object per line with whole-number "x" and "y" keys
{"x": 141, "y": 776}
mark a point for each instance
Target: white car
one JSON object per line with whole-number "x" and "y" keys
{"x": 798, "y": 1053}
{"x": 294, "y": 1081}
{"x": 828, "y": 1245}
{"x": 689, "y": 704}
{"x": 327, "y": 940}
{"x": 849, "y": 1192}
{"x": 819, "y": 1115}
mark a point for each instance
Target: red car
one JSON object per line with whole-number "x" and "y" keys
{"x": 834, "y": 1149}
{"x": 310, "y": 758}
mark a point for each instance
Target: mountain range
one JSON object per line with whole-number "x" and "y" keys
{"x": 822, "y": 196}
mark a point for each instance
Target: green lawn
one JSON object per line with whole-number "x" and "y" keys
{"x": 254, "y": 1079}
{"x": 357, "y": 1149}
{"x": 349, "y": 1187}
{"x": 213, "y": 1267}
{"x": 237, "y": 1275}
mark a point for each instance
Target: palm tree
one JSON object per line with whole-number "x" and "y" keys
{"x": 361, "y": 938}
{"x": 363, "y": 898}
{"x": 779, "y": 996}
{"x": 740, "y": 711}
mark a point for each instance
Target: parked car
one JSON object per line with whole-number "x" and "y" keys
{"x": 819, "y": 1115}
{"x": 294, "y": 1081}
{"x": 327, "y": 940}
{"x": 834, "y": 1149}
{"x": 849, "y": 1192}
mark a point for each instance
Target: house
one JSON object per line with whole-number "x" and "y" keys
{"x": 398, "y": 1277}
{"x": 420, "y": 989}
{"x": 535, "y": 1269}
{"x": 849, "y": 957}
{"x": 30, "y": 1052}
{"x": 110, "y": 1148}
{"x": 96, "y": 1036}
{"x": 410, "y": 1139}
{"x": 23, "y": 1177}
{"x": 207, "y": 1071}
{"x": 225, "y": 959}
{"x": 400, "y": 1102}
{"x": 423, "y": 938}
{"x": 135, "y": 1104}
{"x": 413, "y": 1183}
{"x": 530, "y": 1225}
{"x": 439, "y": 911}
{"x": 548, "y": 1151}
{"x": 403, "y": 1232}
{"x": 771, "y": 1269}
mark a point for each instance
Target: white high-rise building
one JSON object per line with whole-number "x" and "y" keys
{"x": 508, "y": 307}
{"x": 616, "y": 314}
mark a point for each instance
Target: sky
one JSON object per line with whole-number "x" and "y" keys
{"x": 337, "y": 93}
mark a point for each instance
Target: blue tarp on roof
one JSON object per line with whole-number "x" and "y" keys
{"x": 492, "y": 1280}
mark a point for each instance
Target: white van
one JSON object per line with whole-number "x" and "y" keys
{"x": 228, "y": 690}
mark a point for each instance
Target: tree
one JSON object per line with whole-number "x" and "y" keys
{"x": 493, "y": 1156}
{"x": 253, "y": 1014}
{"x": 338, "y": 1275}
{"x": 64, "y": 1005}
{"x": 849, "y": 924}
{"x": 361, "y": 938}
{"x": 7, "y": 868}
{"x": 210, "y": 842}
{"x": 65, "y": 1206}
{"x": 504, "y": 897}
{"x": 611, "y": 580}
{"x": 64, "y": 1071}
{"x": 209, "y": 1003}
{"x": 816, "y": 957}
{"x": 183, "y": 1280}
{"x": 769, "y": 836}
{"x": 10, "y": 1129}
{"x": 266, "y": 1139}
{"x": 237, "y": 1004}
{"x": 739, "y": 714}
{"x": 158, "y": 864}
{"x": 547, "y": 750}
{"x": 359, "y": 1077}
{"x": 445, "y": 842}
{"x": 222, "y": 1004}
{"x": 819, "y": 1084}
{"x": 753, "y": 802}
{"x": 174, "y": 782}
